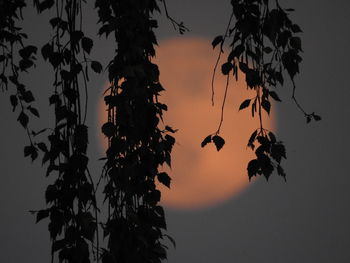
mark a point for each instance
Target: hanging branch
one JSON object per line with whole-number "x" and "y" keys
{"x": 177, "y": 25}
{"x": 137, "y": 145}
{"x": 264, "y": 45}
{"x": 16, "y": 58}
{"x": 71, "y": 200}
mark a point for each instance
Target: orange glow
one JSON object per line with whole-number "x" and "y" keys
{"x": 202, "y": 177}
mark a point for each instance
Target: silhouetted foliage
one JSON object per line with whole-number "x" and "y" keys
{"x": 264, "y": 44}
{"x": 137, "y": 146}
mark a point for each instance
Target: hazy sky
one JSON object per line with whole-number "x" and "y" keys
{"x": 304, "y": 220}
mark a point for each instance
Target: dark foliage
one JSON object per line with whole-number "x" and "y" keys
{"x": 264, "y": 46}
{"x": 137, "y": 144}
{"x": 72, "y": 208}
{"x": 17, "y": 57}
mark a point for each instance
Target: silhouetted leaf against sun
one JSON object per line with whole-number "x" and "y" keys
{"x": 244, "y": 104}
{"x": 108, "y": 129}
{"x": 164, "y": 179}
{"x": 218, "y": 141}
{"x": 206, "y": 141}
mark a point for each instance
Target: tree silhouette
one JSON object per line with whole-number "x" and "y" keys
{"x": 263, "y": 44}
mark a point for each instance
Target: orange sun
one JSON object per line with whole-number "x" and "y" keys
{"x": 202, "y": 177}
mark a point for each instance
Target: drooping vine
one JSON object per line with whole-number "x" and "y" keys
{"x": 138, "y": 146}
{"x": 264, "y": 44}
{"x": 72, "y": 208}
{"x": 15, "y": 58}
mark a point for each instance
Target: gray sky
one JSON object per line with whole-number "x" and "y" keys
{"x": 303, "y": 220}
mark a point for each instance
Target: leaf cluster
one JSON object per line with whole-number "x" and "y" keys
{"x": 269, "y": 154}
{"x": 71, "y": 201}
{"x": 16, "y": 57}
{"x": 264, "y": 46}
{"x": 138, "y": 146}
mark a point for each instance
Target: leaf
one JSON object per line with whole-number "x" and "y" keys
{"x": 96, "y": 66}
{"x": 76, "y": 36}
{"x": 253, "y": 167}
{"x": 87, "y": 44}
{"x": 46, "y": 4}
{"x": 31, "y": 151}
{"x": 316, "y": 117}
{"x": 58, "y": 244}
{"x": 295, "y": 42}
{"x": 27, "y": 51}
{"x": 238, "y": 51}
{"x": 42, "y": 146}
{"x": 296, "y": 29}
{"x": 171, "y": 240}
{"x": 263, "y": 140}
{"x": 89, "y": 231}
{"x": 23, "y": 119}
{"x": 252, "y": 78}
{"x": 254, "y": 107}
{"x": 55, "y": 21}
{"x": 267, "y": 50}
{"x": 226, "y": 68}
{"x": 81, "y": 138}
{"x": 39, "y": 132}
{"x": 278, "y": 151}
{"x": 56, "y": 59}
{"x": 53, "y": 99}
{"x": 34, "y": 111}
{"x": 266, "y": 105}
{"x": 14, "y": 102}
{"x": 206, "y": 141}
{"x": 272, "y": 137}
{"x": 217, "y": 40}
{"x": 243, "y": 67}
{"x": 279, "y": 77}
{"x": 46, "y": 51}
{"x": 283, "y": 38}
{"x": 170, "y": 140}
{"x": 27, "y": 150}
{"x": 244, "y": 104}
{"x": 51, "y": 193}
{"x": 308, "y": 119}
{"x": 168, "y": 128}
{"x": 252, "y": 139}
{"x": 41, "y": 214}
{"x": 27, "y": 96}
{"x": 164, "y": 179}
{"x": 24, "y": 64}
{"x": 219, "y": 142}
{"x": 274, "y": 95}
{"x": 108, "y": 129}
{"x": 281, "y": 172}
{"x": 265, "y": 165}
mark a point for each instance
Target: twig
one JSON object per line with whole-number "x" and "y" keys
{"x": 218, "y": 59}
{"x": 175, "y": 24}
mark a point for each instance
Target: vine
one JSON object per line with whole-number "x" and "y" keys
{"x": 72, "y": 210}
{"x": 16, "y": 57}
{"x": 137, "y": 146}
{"x": 264, "y": 44}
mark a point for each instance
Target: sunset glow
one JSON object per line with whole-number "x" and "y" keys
{"x": 201, "y": 177}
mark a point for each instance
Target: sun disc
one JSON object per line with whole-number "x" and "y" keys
{"x": 202, "y": 177}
